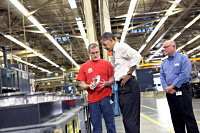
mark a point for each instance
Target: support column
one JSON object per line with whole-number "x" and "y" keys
{"x": 105, "y": 24}
{"x": 90, "y": 24}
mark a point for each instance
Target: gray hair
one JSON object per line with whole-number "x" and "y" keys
{"x": 171, "y": 42}
{"x": 92, "y": 46}
{"x": 106, "y": 36}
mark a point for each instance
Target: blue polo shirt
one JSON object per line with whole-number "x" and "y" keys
{"x": 175, "y": 70}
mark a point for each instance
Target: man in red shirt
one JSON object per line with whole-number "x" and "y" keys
{"x": 99, "y": 97}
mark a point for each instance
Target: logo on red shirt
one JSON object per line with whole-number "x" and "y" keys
{"x": 90, "y": 70}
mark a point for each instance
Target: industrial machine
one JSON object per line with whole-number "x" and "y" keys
{"x": 14, "y": 77}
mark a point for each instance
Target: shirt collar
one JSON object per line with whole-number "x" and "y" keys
{"x": 173, "y": 56}
{"x": 115, "y": 46}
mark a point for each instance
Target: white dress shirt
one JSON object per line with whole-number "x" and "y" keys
{"x": 125, "y": 57}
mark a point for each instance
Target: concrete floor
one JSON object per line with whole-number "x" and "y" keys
{"x": 155, "y": 116}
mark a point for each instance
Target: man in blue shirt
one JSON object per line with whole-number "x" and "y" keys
{"x": 175, "y": 77}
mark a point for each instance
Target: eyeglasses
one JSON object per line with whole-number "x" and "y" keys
{"x": 166, "y": 46}
{"x": 105, "y": 43}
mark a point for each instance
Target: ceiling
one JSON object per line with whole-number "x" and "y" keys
{"x": 58, "y": 19}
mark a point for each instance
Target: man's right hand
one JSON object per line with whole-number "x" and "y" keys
{"x": 170, "y": 89}
{"x": 91, "y": 86}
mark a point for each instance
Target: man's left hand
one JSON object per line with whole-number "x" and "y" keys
{"x": 103, "y": 84}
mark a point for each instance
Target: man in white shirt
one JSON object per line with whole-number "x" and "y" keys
{"x": 126, "y": 60}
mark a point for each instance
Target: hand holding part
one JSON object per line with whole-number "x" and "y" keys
{"x": 95, "y": 81}
{"x": 103, "y": 84}
{"x": 91, "y": 86}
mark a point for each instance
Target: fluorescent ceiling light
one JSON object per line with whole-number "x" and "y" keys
{"x": 174, "y": 37}
{"x": 157, "y": 52}
{"x": 169, "y": 11}
{"x": 189, "y": 42}
{"x": 72, "y": 4}
{"x": 18, "y": 42}
{"x": 62, "y": 69}
{"x": 81, "y": 28}
{"x": 61, "y": 49}
{"x": 51, "y": 78}
{"x": 32, "y": 65}
{"x": 20, "y": 60}
{"x": 143, "y": 46}
{"x": 162, "y": 21}
{"x": 194, "y": 39}
{"x": 187, "y": 26}
{"x": 189, "y": 52}
{"x": 25, "y": 62}
{"x": 80, "y": 24}
{"x": 20, "y": 7}
{"x": 42, "y": 69}
{"x": 30, "y": 49}
{"x": 178, "y": 34}
{"x": 35, "y": 22}
{"x": 128, "y": 19}
{"x": 192, "y": 22}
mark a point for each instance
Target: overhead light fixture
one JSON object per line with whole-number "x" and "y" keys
{"x": 30, "y": 49}
{"x": 61, "y": 49}
{"x": 42, "y": 69}
{"x": 143, "y": 46}
{"x": 79, "y": 23}
{"x": 178, "y": 34}
{"x": 25, "y": 62}
{"x": 187, "y": 26}
{"x": 157, "y": 52}
{"x": 174, "y": 37}
{"x": 62, "y": 69}
{"x": 20, "y": 60}
{"x": 128, "y": 19}
{"x": 72, "y": 4}
{"x": 169, "y": 11}
{"x": 192, "y": 22}
{"x": 51, "y": 78}
{"x": 40, "y": 27}
{"x": 189, "y": 52}
{"x": 189, "y": 42}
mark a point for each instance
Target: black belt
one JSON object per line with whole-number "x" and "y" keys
{"x": 119, "y": 82}
{"x": 185, "y": 85}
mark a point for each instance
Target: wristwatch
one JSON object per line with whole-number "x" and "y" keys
{"x": 128, "y": 73}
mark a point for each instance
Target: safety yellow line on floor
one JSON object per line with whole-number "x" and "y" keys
{"x": 157, "y": 123}
{"x": 149, "y": 107}
{"x": 156, "y": 109}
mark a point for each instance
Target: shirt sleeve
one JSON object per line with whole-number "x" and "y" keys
{"x": 184, "y": 72}
{"x": 130, "y": 54}
{"x": 162, "y": 77}
{"x": 81, "y": 74}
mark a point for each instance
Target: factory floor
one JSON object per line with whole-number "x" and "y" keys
{"x": 155, "y": 116}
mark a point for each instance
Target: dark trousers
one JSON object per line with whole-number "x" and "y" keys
{"x": 97, "y": 109}
{"x": 129, "y": 102}
{"x": 182, "y": 111}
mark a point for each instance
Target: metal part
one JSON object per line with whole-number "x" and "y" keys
{"x": 96, "y": 81}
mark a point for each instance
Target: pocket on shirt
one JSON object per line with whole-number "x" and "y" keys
{"x": 177, "y": 69}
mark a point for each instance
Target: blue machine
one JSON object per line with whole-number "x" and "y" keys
{"x": 69, "y": 89}
{"x": 116, "y": 108}
{"x": 14, "y": 77}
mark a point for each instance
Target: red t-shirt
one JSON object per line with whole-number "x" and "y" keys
{"x": 91, "y": 69}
